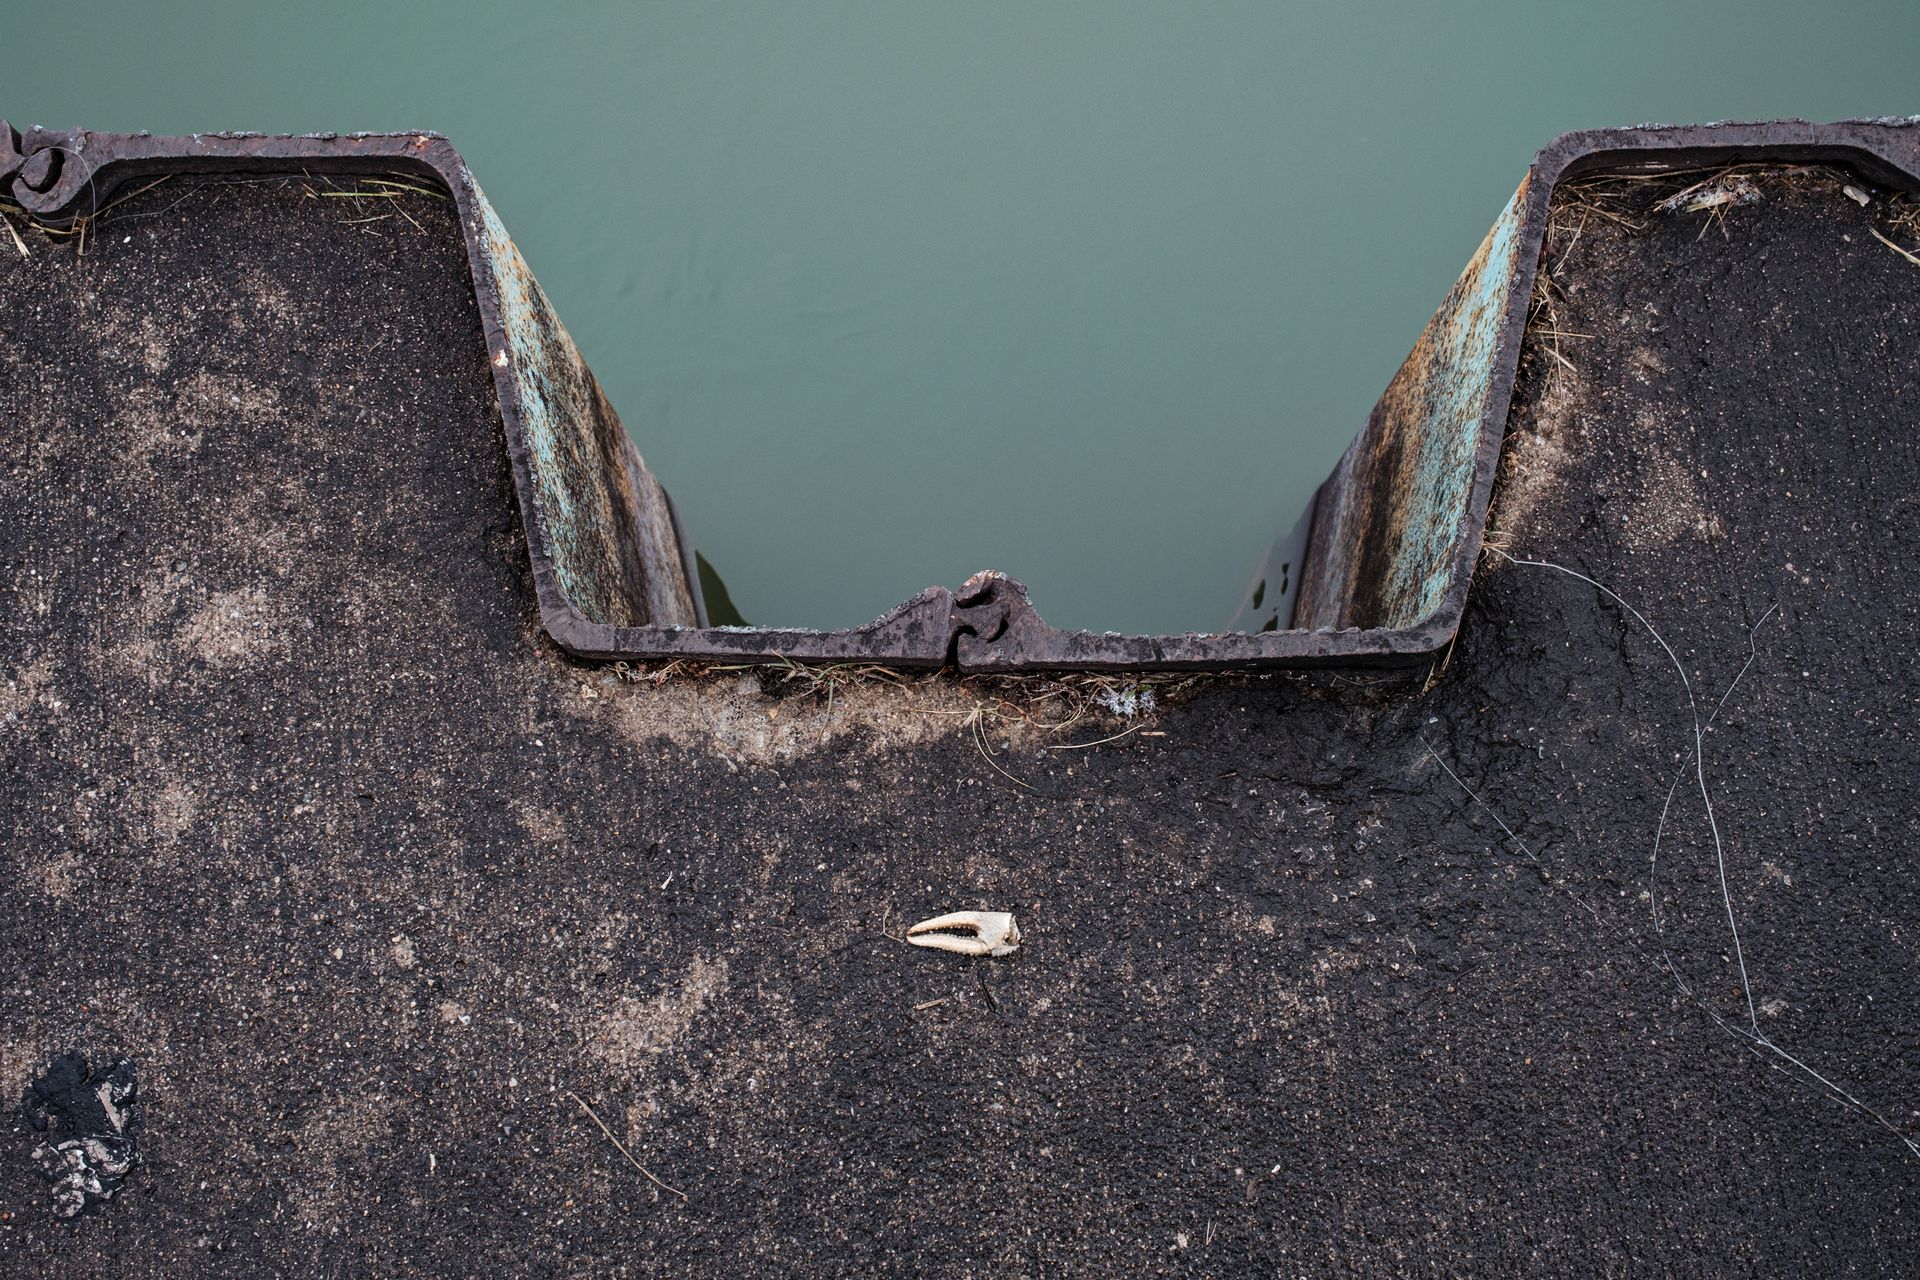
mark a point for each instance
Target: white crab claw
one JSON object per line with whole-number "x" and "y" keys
{"x": 969, "y": 933}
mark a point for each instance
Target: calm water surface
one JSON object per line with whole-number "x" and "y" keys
{"x": 1091, "y": 293}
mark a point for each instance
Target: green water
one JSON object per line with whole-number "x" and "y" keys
{"x": 1094, "y": 294}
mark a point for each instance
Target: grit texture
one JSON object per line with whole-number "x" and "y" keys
{"x": 393, "y": 907}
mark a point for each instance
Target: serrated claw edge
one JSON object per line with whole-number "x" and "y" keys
{"x": 968, "y": 933}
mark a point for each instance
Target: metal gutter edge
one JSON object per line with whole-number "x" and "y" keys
{"x": 1396, "y": 529}
{"x": 1397, "y": 526}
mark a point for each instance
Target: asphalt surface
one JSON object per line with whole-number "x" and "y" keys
{"x": 381, "y": 895}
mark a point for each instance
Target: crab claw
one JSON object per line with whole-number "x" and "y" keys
{"x": 968, "y": 933}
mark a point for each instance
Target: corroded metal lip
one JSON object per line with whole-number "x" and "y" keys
{"x": 1395, "y": 532}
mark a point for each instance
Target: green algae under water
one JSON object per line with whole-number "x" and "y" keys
{"x": 1094, "y": 294}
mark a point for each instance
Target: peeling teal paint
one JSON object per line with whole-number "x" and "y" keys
{"x": 1459, "y": 379}
{"x": 523, "y": 310}
{"x": 560, "y": 411}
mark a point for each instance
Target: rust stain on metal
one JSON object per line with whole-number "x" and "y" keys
{"x": 1388, "y": 521}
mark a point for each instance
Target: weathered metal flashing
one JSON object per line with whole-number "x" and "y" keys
{"x": 602, "y": 538}
{"x": 1390, "y": 516}
{"x": 1396, "y": 529}
{"x": 1397, "y": 526}
{"x": 609, "y": 532}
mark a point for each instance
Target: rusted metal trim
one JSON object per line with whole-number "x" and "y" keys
{"x": 604, "y": 544}
{"x": 1396, "y": 528}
